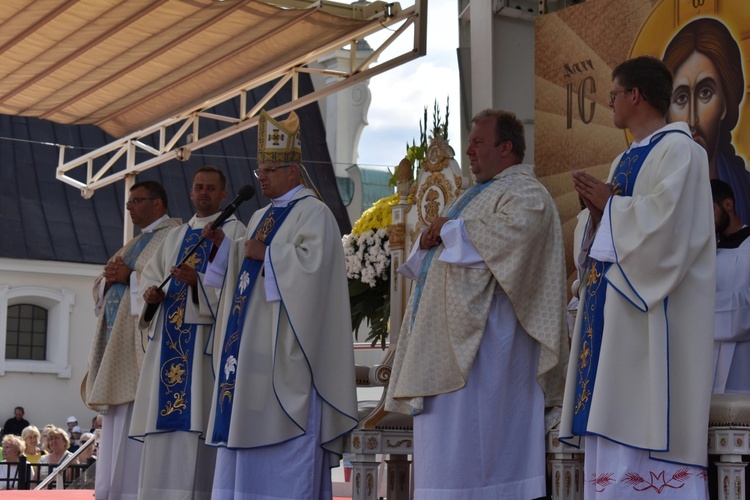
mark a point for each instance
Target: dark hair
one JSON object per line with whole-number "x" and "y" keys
{"x": 721, "y": 191}
{"x": 19, "y": 408}
{"x": 651, "y": 77}
{"x": 210, "y": 169}
{"x": 712, "y": 38}
{"x": 154, "y": 189}
{"x": 507, "y": 128}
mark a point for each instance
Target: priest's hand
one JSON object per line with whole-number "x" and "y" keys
{"x": 431, "y": 235}
{"x": 215, "y": 236}
{"x": 153, "y": 295}
{"x": 186, "y": 274}
{"x": 255, "y": 250}
{"x": 116, "y": 271}
{"x": 594, "y": 193}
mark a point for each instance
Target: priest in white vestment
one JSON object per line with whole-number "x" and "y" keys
{"x": 732, "y": 340}
{"x": 117, "y": 352}
{"x": 285, "y": 391}
{"x": 170, "y": 414}
{"x": 639, "y": 379}
{"x": 484, "y": 338}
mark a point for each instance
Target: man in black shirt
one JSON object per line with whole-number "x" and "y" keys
{"x": 16, "y": 424}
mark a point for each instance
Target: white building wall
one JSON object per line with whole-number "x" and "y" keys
{"x": 49, "y": 398}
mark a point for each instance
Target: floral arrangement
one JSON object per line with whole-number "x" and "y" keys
{"x": 368, "y": 267}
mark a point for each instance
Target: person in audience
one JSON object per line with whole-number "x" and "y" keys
{"x": 16, "y": 424}
{"x": 96, "y": 423}
{"x": 45, "y": 433}
{"x": 58, "y": 443}
{"x": 13, "y": 448}
{"x": 31, "y": 436}
{"x": 89, "y": 452}
{"x": 75, "y": 434}
{"x": 72, "y": 422}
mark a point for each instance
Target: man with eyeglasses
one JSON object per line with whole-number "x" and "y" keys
{"x": 639, "y": 377}
{"x": 117, "y": 352}
{"x": 285, "y": 390}
{"x": 174, "y": 391}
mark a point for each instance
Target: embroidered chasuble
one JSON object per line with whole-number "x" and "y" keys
{"x": 117, "y": 352}
{"x": 116, "y": 291}
{"x": 512, "y": 222}
{"x": 640, "y": 368}
{"x": 248, "y": 275}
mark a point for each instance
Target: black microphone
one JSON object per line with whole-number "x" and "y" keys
{"x": 245, "y": 193}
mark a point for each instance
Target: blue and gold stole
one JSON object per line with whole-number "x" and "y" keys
{"x": 178, "y": 342}
{"x": 246, "y": 278}
{"x": 454, "y": 212}
{"x": 116, "y": 291}
{"x": 592, "y": 322}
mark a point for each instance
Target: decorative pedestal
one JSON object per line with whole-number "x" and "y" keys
{"x": 566, "y": 469}
{"x": 366, "y": 444}
{"x": 729, "y": 437}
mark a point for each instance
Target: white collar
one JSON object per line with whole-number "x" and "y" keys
{"x": 150, "y": 228}
{"x": 285, "y": 198}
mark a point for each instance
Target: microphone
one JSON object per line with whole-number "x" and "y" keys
{"x": 245, "y": 193}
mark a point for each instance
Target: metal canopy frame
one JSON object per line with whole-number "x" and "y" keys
{"x": 118, "y": 160}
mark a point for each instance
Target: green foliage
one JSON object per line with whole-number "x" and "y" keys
{"x": 372, "y": 304}
{"x": 415, "y": 153}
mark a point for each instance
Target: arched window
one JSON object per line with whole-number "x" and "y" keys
{"x": 26, "y": 334}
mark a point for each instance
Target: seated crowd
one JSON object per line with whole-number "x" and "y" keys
{"x": 46, "y": 449}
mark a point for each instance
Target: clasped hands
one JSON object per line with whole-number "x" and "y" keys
{"x": 594, "y": 193}
{"x": 116, "y": 271}
{"x": 431, "y": 235}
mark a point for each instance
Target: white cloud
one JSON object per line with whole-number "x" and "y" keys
{"x": 400, "y": 95}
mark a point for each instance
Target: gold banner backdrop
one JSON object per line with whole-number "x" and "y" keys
{"x": 576, "y": 50}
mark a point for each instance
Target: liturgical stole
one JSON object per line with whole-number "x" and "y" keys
{"x": 592, "y": 322}
{"x": 178, "y": 342}
{"x": 248, "y": 275}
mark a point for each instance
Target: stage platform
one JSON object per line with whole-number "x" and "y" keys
{"x": 64, "y": 495}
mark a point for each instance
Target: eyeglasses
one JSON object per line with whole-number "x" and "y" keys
{"x": 269, "y": 170}
{"x": 613, "y": 94}
{"x": 135, "y": 201}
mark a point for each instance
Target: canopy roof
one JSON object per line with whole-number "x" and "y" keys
{"x": 139, "y": 68}
{"x": 126, "y": 64}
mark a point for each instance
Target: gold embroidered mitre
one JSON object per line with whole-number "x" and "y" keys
{"x": 279, "y": 142}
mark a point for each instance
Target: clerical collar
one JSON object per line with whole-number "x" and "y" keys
{"x": 735, "y": 239}
{"x": 150, "y": 228}
{"x": 202, "y": 221}
{"x": 285, "y": 198}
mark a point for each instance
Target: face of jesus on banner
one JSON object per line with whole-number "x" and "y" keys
{"x": 698, "y": 99}
{"x": 708, "y": 83}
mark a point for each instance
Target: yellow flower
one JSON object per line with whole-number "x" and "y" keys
{"x": 377, "y": 216}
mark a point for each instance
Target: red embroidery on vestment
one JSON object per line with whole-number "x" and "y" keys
{"x": 601, "y": 481}
{"x": 658, "y": 482}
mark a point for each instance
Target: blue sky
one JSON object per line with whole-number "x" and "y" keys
{"x": 400, "y": 95}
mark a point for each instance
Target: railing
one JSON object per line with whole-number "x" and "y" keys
{"x": 69, "y": 463}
